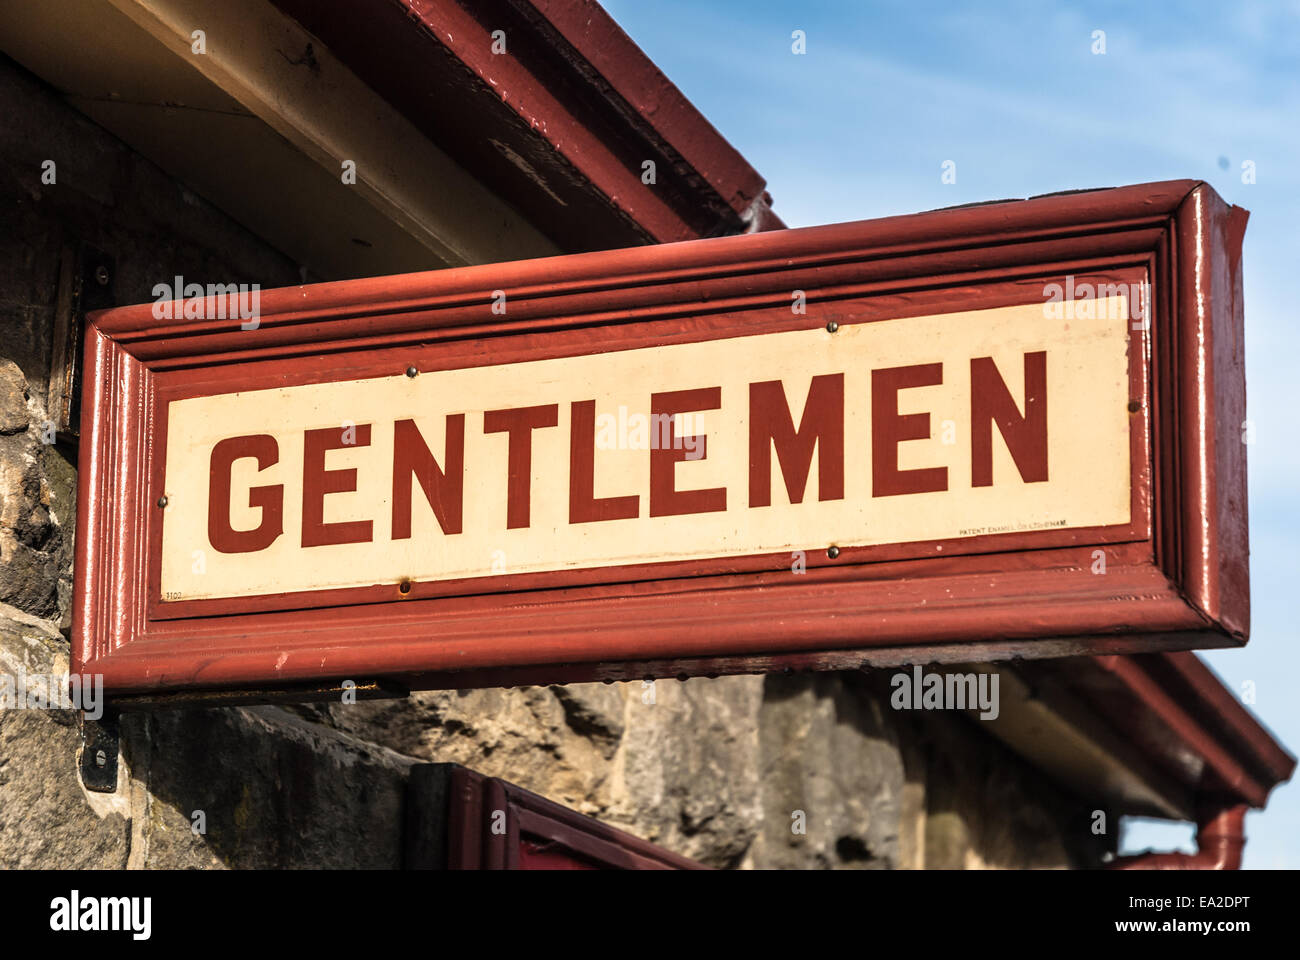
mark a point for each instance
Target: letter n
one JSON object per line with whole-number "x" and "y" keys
{"x": 444, "y": 489}
{"x": 1025, "y": 435}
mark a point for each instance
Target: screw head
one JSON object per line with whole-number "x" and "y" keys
{"x": 101, "y": 758}
{"x": 411, "y": 371}
{"x": 162, "y": 501}
{"x": 833, "y": 552}
{"x": 101, "y": 275}
{"x": 832, "y": 326}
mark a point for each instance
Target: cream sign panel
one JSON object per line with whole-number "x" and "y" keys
{"x": 896, "y": 431}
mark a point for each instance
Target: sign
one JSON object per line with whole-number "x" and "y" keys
{"x": 890, "y": 432}
{"x": 1014, "y": 429}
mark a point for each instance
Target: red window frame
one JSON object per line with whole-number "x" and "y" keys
{"x": 458, "y": 819}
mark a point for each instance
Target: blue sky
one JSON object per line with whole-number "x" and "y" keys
{"x": 859, "y": 126}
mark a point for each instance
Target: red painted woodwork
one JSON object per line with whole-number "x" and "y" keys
{"x": 561, "y": 126}
{"x": 496, "y": 825}
{"x": 1220, "y": 841}
{"x": 1176, "y": 574}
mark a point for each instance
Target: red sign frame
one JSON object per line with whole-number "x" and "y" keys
{"x": 1177, "y": 574}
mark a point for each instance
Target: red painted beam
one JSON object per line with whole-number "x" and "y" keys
{"x": 643, "y": 87}
{"x": 1198, "y": 718}
{"x": 554, "y": 108}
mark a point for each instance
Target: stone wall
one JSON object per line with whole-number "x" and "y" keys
{"x": 719, "y": 770}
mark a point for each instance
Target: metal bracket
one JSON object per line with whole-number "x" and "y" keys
{"x": 100, "y": 740}
{"x": 100, "y": 746}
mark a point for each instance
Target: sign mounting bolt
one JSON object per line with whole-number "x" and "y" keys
{"x": 832, "y": 326}
{"x": 833, "y": 552}
{"x": 411, "y": 371}
{"x": 162, "y": 501}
